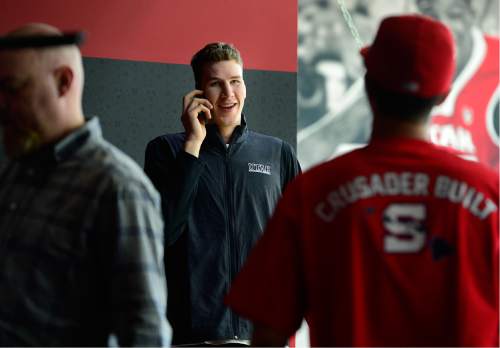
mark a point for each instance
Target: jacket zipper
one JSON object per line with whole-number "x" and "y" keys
{"x": 233, "y": 250}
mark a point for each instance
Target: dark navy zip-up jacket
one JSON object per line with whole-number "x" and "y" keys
{"x": 215, "y": 208}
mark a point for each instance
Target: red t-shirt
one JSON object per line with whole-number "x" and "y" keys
{"x": 394, "y": 244}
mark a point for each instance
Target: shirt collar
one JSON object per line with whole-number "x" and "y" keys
{"x": 66, "y": 147}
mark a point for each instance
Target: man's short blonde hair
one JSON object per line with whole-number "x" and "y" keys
{"x": 212, "y": 53}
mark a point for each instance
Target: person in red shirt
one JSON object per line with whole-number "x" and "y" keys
{"x": 393, "y": 244}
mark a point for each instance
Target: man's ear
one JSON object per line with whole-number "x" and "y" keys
{"x": 64, "y": 79}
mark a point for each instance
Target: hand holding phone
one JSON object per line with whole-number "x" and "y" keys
{"x": 195, "y": 115}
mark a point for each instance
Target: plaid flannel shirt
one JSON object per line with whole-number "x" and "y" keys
{"x": 81, "y": 245}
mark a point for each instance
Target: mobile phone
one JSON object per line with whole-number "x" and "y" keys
{"x": 202, "y": 115}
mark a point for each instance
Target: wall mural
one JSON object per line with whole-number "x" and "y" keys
{"x": 333, "y": 114}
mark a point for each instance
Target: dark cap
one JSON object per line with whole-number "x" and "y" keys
{"x": 412, "y": 54}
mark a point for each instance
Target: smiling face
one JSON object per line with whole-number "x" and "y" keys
{"x": 223, "y": 85}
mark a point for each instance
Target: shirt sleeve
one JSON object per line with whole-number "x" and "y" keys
{"x": 290, "y": 166}
{"x": 176, "y": 177}
{"x": 269, "y": 290}
{"x": 137, "y": 285}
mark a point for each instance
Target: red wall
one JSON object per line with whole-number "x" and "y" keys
{"x": 170, "y": 31}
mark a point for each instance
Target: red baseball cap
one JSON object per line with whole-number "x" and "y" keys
{"x": 412, "y": 54}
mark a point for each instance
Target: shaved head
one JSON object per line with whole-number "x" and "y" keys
{"x": 41, "y": 91}
{"x": 52, "y": 57}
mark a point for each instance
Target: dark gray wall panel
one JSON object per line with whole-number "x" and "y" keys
{"x": 137, "y": 101}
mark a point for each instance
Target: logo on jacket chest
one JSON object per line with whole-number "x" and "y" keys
{"x": 259, "y": 168}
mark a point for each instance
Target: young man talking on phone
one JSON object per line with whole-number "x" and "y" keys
{"x": 219, "y": 182}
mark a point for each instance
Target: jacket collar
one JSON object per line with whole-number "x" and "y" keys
{"x": 240, "y": 133}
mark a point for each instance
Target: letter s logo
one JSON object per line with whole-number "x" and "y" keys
{"x": 405, "y": 228}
